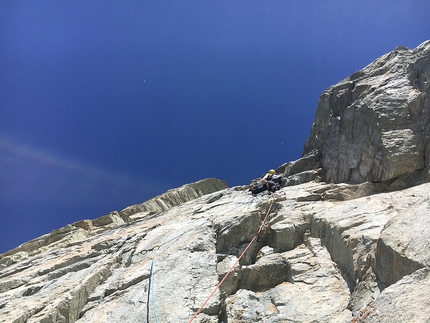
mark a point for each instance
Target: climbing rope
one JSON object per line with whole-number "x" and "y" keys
{"x": 151, "y": 289}
{"x": 237, "y": 261}
{"x": 151, "y": 277}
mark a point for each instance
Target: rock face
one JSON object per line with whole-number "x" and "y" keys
{"x": 374, "y": 125}
{"x": 345, "y": 240}
{"x": 174, "y": 197}
{"x": 81, "y": 230}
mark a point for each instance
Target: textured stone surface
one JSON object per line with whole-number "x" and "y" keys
{"x": 304, "y": 286}
{"x": 373, "y": 126}
{"x": 404, "y": 245}
{"x": 328, "y": 252}
{"x": 175, "y": 197}
{"x": 81, "y": 230}
{"x": 106, "y": 278}
{"x": 328, "y": 272}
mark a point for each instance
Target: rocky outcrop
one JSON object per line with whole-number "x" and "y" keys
{"x": 175, "y": 197}
{"x": 315, "y": 260}
{"x": 322, "y": 249}
{"x": 403, "y": 247}
{"x": 374, "y": 125}
{"x": 82, "y": 230}
{"x": 306, "y": 169}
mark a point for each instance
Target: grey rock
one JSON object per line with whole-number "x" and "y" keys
{"x": 346, "y": 240}
{"x": 404, "y": 244}
{"x": 305, "y": 287}
{"x": 395, "y": 302}
{"x": 81, "y": 230}
{"x": 287, "y": 234}
{"x": 328, "y": 272}
{"x": 373, "y": 125}
{"x": 174, "y": 197}
{"x": 311, "y": 160}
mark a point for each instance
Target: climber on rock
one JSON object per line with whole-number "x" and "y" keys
{"x": 267, "y": 184}
{"x": 268, "y": 176}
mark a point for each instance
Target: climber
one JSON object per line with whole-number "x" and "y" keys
{"x": 267, "y": 184}
{"x": 268, "y": 176}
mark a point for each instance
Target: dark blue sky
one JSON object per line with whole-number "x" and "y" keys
{"x": 105, "y": 104}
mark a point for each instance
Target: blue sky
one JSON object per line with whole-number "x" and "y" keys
{"x": 105, "y": 104}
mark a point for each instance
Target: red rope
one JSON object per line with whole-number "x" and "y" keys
{"x": 237, "y": 261}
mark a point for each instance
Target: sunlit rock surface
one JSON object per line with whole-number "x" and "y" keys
{"x": 373, "y": 126}
{"x": 345, "y": 240}
{"x": 332, "y": 269}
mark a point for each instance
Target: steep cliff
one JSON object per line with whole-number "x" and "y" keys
{"x": 373, "y": 126}
{"x": 346, "y": 239}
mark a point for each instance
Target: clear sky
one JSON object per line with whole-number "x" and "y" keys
{"x": 105, "y": 104}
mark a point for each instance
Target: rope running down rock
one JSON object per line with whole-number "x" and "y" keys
{"x": 237, "y": 261}
{"x": 155, "y": 248}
